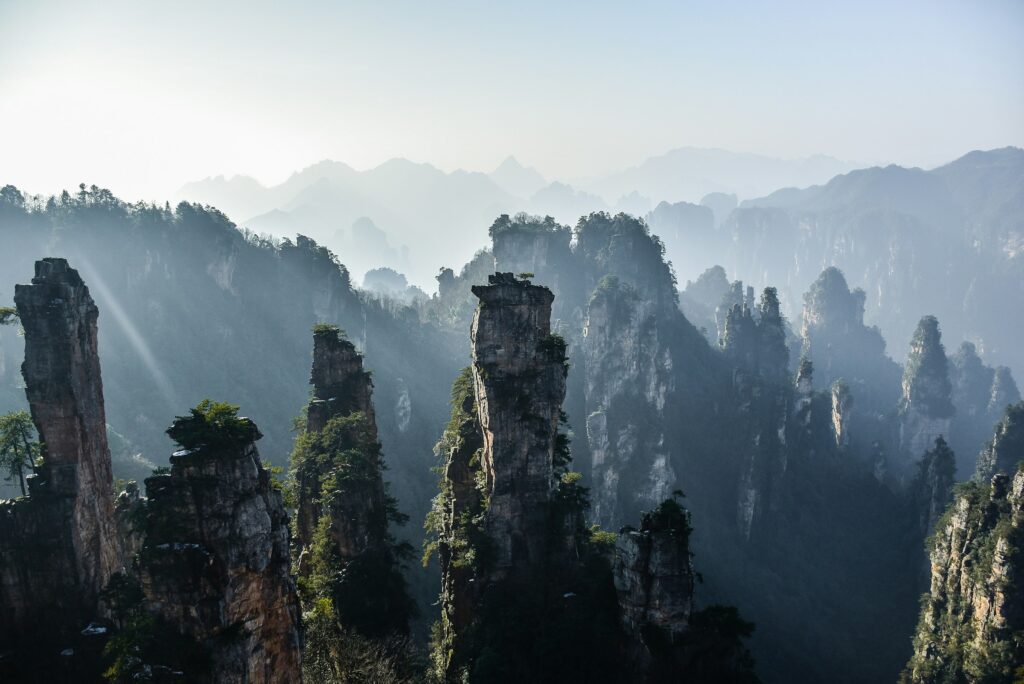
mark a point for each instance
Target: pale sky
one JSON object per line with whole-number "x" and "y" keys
{"x": 142, "y": 96}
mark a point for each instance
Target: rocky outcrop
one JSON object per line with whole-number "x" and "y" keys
{"x": 840, "y": 345}
{"x": 933, "y": 487}
{"x": 973, "y": 613}
{"x": 980, "y": 395}
{"x": 525, "y": 593}
{"x": 65, "y": 394}
{"x": 654, "y": 581}
{"x": 341, "y": 388}
{"x": 59, "y": 544}
{"x": 1006, "y": 448}
{"x": 757, "y": 349}
{"x": 1004, "y": 391}
{"x": 842, "y": 407}
{"x": 927, "y": 407}
{"x": 519, "y": 373}
{"x": 459, "y": 502}
{"x": 214, "y": 567}
{"x": 633, "y": 340}
{"x": 539, "y": 247}
{"x": 344, "y": 551}
{"x": 628, "y": 379}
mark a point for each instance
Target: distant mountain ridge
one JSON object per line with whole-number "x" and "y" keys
{"x": 440, "y": 217}
{"x": 690, "y": 173}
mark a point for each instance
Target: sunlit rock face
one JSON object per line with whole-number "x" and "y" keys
{"x": 341, "y": 387}
{"x": 974, "y": 609}
{"x": 215, "y": 566}
{"x": 519, "y": 375}
{"x": 58, "y": 546}
{"x": 65, "y": 393}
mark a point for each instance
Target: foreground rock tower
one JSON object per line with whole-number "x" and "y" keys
{"x": 654, "y": 582}
{"x": 519, "y": 376}
{"x": 972, "y": 617}
{"x": 341, "y": 387}
{"x": 58, "y": 546}
{"x": 65, "y": 393}
{"x": 215, "y": 563}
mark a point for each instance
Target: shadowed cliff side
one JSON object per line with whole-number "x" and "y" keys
{"x": 58, "y": 546}
{"x": 972, "y": 618}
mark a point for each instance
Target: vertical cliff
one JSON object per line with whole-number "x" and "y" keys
{"x": 526, "y": 595}
{"x": 927, "y": 406}
{"x": 344, "y": 550}
{"x": 341, "y": 388}
{"x": 980, "y": 396}
{"x": 755, "y": 343}
{"x": 633, "y": 348}
{"x": 1006, "y": 448}
{"x": 840, "y": 345}
{"x": 65, "y": 394}
{"x": 519, "y": 373}
{"x": 933, "y": 486}
{"x": 972, "y": 617}
{"x": 654, "y": 581}
{"x": 667, "y": 639}
{"x": 462, "y": 547}
{"x": 58, "y": 545}
{"x": 627, "y": 381}
{"x": 214, "y": 567}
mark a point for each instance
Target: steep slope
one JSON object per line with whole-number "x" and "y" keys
{"x": 945, "y": 241}
{"x": 972, "y": 616}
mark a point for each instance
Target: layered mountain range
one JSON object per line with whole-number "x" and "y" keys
{"x": 814, "y": 457}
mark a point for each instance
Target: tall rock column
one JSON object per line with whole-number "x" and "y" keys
{"x": 654, "y": 581}
{"x": 215, "y": 566}
{"x": 973, "y": 614}
{"x": 341, "y": 387}
{"x": 345, "y": 552}
{"x": 65, "y": 394}
{"x": 519, "y": 376}
{"x": 927, "y": 406}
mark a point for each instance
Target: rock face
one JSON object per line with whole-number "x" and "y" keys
{"x": 841, "y": 346}
{"x": 842, "y": 406}
{"x": 627, "y": 383}
{"x": 654, "y": 581}
{"x": 341, "y": 387}
{"x": 980, "y": 394}
{"x": 519, "y": 375}
{"x": 215, "y": 566}
{"x": 58, "y": 545}
{"x": 758, "y": 351}
{"x": 633, "y": 339}
{"x": 65, "y": 393}
{"x": 934, "y": 485}
{"x": 1006, "y": 448}
{"x": 927, "y": 407}
{"x": 973, "y": 614}
{"x": 345, "y": 552}
{"x": 460, "y": 500}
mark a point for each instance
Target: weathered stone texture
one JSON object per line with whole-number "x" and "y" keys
{"x": 215, "y": 563}
{"x": 519, "y": 375}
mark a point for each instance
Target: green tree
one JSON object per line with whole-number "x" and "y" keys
{"x": 18, "y": 446}
{"x": 8, "y": 315}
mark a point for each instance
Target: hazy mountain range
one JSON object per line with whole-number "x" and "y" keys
{"x": 442, "y": 217}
